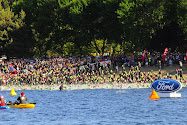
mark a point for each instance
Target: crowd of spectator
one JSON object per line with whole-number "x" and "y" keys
{"x": 78, "y": 70}
{"x": 152, "y": 59}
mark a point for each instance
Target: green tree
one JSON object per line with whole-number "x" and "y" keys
{"x": 42, "y": 19}
{"x": 92, "y": 20}
{"x": 173, "y": 33}
{"x": 140, "y": 19}
{"x": 9, "y": 24}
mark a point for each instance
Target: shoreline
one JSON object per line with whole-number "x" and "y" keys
{"x": 80, "y": 86}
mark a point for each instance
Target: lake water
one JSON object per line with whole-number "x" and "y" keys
{"x": 96, "y": 107}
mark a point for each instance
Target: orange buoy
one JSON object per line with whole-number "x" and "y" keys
{"x": 154, "y": 95}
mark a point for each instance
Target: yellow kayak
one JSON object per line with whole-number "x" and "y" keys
{"x": 28, "y": 105}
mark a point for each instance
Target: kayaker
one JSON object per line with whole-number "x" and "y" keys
{"x": 2, "y": 101}
{"x": 22, "y": 98}
{"x": 61, "y": 87}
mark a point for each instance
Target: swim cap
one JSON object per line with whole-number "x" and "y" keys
{"x": 22, "y": 94}
{"x": 1, "y": 97}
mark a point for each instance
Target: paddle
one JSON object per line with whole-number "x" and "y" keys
{"x": 27, "y": 103}
{"x": 32, "y": 103}
{"x": 8, "y": 103}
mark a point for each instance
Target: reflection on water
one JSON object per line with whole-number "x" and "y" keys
{"x": 90, "y": 107}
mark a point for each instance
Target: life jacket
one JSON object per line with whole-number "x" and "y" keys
{"x": 22, "y": 99}
{"x": 2, "y": 102}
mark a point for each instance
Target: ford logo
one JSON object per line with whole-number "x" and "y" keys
{"x": 166, "y": 85}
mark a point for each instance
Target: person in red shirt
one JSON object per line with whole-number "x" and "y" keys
{"x": 2, "y": 101}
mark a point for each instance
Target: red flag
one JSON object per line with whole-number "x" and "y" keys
{"x": 143, "y": 55}
{"x": 165, "y": 53}
{"x": 186, "y": 57}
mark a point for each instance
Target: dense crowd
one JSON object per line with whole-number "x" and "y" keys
{"x": 68, "y": 70}
{"x": 152, "y": 58}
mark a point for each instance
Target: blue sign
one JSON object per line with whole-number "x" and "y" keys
{"x": 166, "y": 85}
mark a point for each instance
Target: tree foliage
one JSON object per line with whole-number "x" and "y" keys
{"x": 73, "y": 27}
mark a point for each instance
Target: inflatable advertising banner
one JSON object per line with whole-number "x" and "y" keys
{"x": 166, "y": 85}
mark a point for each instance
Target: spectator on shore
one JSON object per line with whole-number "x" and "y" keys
{"x": 170, "y": 63}
{"x": 180, "y": 64}
{"x": 72, "y": 71}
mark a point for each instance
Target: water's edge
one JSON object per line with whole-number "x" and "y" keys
{"x": 80, "y": 86}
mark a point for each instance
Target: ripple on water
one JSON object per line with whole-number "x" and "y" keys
{"x": 101, "y": 107}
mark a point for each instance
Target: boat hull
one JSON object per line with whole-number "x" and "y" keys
{"x": 4, "y": 107}
{"x": 22, "y": 106}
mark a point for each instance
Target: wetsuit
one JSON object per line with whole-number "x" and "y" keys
{"x": 61, "y": 87}
{"x": 22, "y": 99}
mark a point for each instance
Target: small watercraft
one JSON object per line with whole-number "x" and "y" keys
{"x": 4, "y": 107}
{"x": 27, "y": 105}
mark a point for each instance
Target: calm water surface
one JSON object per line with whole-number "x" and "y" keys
{"x": 96, "y": 107}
